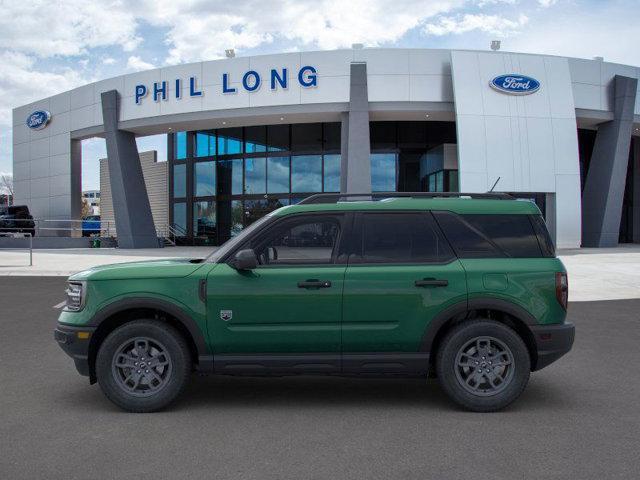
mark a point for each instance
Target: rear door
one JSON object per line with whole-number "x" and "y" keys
{"x": 401, "y": 273}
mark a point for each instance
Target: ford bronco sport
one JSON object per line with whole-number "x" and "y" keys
{"x": 465, "y": 287}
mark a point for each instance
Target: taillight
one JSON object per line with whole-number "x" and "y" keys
{"x": 562, "y": 289}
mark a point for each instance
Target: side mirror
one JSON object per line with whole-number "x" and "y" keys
{"x": 245, "y": 260}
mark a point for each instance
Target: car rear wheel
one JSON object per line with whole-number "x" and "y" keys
{"x": 143, "y": 366}
{"x": 483, "y": 365}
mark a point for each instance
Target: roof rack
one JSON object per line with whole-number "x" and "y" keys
{"x": 346, "y": 197}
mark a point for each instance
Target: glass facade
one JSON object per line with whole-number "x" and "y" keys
{"x": 223, "y": 180}
{"x": 398, "y": 149}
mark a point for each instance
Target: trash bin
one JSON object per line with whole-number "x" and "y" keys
{"x": 95, "y": 243}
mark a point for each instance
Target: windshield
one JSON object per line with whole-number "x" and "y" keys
{"x": 232, "y": 243}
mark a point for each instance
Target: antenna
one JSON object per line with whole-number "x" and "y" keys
{"x": 494, "y": 185}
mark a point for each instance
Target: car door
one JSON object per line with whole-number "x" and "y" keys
{"x": 401, "y": 273}
{"x": 286, "y": 313}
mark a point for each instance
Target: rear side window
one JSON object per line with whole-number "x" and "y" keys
{"x": 467, "y": 241}
{"x": 546, "y": 244}
{"x": 401, "y": 238}
{"x": 490, "y": 236}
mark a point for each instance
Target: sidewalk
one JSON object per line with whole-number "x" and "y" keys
{"x": 594, "y": 274}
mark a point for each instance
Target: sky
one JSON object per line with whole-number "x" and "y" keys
{"x": 48, "y": 47}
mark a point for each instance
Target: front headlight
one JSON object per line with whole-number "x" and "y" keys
{"x": 75, "y": 296}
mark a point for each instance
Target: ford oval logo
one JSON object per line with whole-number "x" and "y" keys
{"x": 38, "y": 119}
{"x": 515, "y": 84}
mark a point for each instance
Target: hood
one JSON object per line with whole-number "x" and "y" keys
{"x": 172, "y": 268}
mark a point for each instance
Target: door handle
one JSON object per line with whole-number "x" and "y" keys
{"x": 314, "y": 284}
{"x": 431, "y": 282}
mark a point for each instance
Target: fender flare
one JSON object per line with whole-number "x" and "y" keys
{"x": 464, "y": 307}
{"x": 157, "y": 304}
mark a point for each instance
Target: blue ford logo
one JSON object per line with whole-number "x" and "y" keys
{"x": 38, "y": 119}
{"x": 515, "y": 84}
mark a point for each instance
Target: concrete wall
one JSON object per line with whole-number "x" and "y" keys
{"x": 529, "y": 141}
{"x": 156, "y": 175}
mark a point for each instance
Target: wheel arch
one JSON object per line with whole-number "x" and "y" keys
{"x": 502, "y": 311}
{"x": 126, "y": 310}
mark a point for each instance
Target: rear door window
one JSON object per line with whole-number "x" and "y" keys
{"x": 400, "y": 238}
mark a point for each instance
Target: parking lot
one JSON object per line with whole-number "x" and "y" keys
{"x": 579, "y": 418}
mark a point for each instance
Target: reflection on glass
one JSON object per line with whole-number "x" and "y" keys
{"x": 237, "y": 217}
{"x": 229, "y": 141}
{"x": 255, "y": 175}
{"x": 205, "y": 144}
{"x": 306, "y": 137}
{"x": 255, "y": 139}
{"x": 180, "y": 217}
{"x": 180, "y": 146}
{"x": 306, "y": 173}
{"x": 230, "y": 177}
{"x": 180, "y": 180}
{"x": 254, "y": 210}
{"x": 332, "y": 173}
{"x": 278, "y": 137}
{"x": 204, "y": 219}
{"x": 332, "y": 136}
{"x": 453, "y": 181}
{"x": 277, "y": 203}
{"x": 278, "y": 175}
{"x": 383, "y": 172}
{"x": 204, "y": 181}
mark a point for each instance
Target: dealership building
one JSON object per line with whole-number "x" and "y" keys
{"x": 247, "y": 135}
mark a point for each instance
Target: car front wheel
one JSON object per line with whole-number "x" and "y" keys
{"x": 483, "y": 365}
{"x": 143, "y": 366}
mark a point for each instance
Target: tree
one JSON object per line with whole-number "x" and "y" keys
{"x": 86, "y": 208}
{"x": 6, "y": 183}
{"x": 6, "y": 187}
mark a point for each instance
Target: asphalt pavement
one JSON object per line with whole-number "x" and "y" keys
{"x": 578, "y": 418}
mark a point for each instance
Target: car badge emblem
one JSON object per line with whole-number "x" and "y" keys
{"x": 226, "y": 315}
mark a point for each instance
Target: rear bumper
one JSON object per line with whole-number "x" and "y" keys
{"x": 74, "y": 345}
{"x": 552, "y": 342}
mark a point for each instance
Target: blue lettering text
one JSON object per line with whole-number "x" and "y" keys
{"x": 250, "y": 87}
{"x": 309, "y": 80}
{"x": 141, "y": 91}
{"x": 275, "y": 77}
{"x": 157, "y": 90}
{"x": 192, "y": 88}
{"x": 225, "y": 84}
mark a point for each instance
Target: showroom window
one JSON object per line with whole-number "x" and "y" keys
{"x": 231, "y": 177}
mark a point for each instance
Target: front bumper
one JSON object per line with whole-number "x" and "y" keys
{"x": 75, "y": 343}
{"x": 552, "y": 342}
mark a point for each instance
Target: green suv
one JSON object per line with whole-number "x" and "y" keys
{"x": 465, "y": 287}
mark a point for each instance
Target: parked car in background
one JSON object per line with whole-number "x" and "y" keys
{"x": 91, "y": 225}
{"x": 17, "y": 219}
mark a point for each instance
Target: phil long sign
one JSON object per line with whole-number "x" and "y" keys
{"x": 515, "y": 84}
{"x": 250, "y": 81}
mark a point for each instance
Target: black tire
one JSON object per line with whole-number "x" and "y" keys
{"x": 498, "y": 384}
{"x": 134, "y": 390}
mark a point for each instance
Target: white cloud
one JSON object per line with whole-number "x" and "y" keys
{"x": 108, "y": 61}
{"x": 546, "y": 3}
{"x": 203, "y": 30}
{"x": 587, "y": 37}
{"x": 135, "y": 63}
{"x": 491, "y": 24}
{"x": 46, "y": 28}
{"x": 20, "y": 83}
